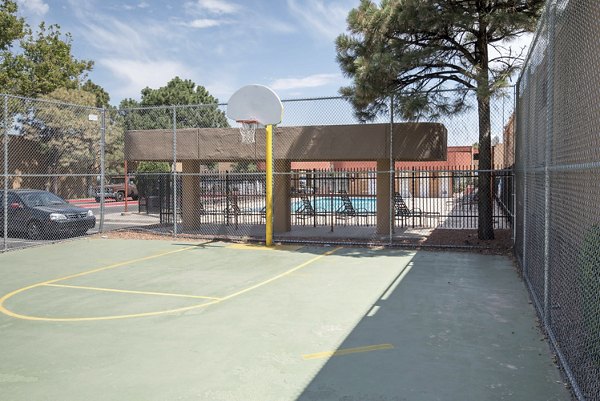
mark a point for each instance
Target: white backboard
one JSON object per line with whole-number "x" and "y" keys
{"x": 255, "y": 102}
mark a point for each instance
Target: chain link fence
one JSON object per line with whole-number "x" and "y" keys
{"x": 51, "y": 151}
{"x": 322, "y": 189}
{"x": 335, "y": 179}
{"x": 557, "y": 231}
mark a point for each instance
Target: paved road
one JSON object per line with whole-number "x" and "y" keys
{"x": 110, "y": 205}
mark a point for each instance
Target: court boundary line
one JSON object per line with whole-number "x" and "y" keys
{"x": 348, "y": 351}
{"x": 10, "y": 313}
{"x": 164, "y": 294}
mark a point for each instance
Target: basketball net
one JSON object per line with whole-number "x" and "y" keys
{"x": 247, "y": 130}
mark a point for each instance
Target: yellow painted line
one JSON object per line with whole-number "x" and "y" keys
{"x": 348, "y": 351}
{"x": 164, "y": 294}
{"x": 145, "y": 314}
{"x": 256, "y": 247}
{"x": 112, "y": 266}
{"x": 300, "y": 266}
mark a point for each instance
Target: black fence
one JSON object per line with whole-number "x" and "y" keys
{"x": 324, "y": 198}
{"x": 156, "y": 195}
{"x": 421, "y": 198}
{"x": 224, "y": 198}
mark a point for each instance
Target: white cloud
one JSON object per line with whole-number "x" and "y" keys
{"x": 35, "y": 6}
{"x": 120, "y": 38}
{"x": 326, "y": 18}
{"x": 213, "y": 6}
{"x": 137, "y": 74}
{"x": 203, "y": 23}
{"x": 221, "y": 88}
{"x": 140, "y": 5}
{"x": 276, "y": 26}
{"x": 311, "y": 81}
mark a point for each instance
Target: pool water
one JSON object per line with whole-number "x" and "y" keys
{"x": 328, "y": 204}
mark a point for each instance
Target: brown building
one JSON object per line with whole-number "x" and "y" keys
{"x": 413, "y": 178}
{"x": 332, "y": 143}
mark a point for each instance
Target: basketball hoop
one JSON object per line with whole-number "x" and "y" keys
{"x": 247, "y": 130}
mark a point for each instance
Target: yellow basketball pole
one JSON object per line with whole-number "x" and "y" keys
{"x": 269, "y": 200}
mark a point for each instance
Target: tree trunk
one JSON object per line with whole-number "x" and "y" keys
{"x": 485, "y": 227}
{"x": 485, "y": 223}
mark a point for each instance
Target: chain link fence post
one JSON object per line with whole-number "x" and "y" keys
{"x": 551, "y": 12}
{"x": 5, "y": 197}
{"x": 391, "y": 170}
{"x": 174, "y": 186}
{"x": 525, "y": 172}
{"x": 102, "y": 167}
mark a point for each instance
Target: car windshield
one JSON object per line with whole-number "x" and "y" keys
{"x": 33, "y": 199}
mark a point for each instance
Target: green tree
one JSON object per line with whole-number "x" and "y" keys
{"x": 153, "y": 167}
{"x": 203, "y": 111}
{"x": 114, "y": 157}
{"x": 245, "y": 166}
{"x": 102, "y": 97}
{"x": 12, "y": 27}
{"x": 42, "y": 62}
{"x": 414, "y": 49}
{"x": 147, "y": 179}
{"x": 69, "y": 139}
{"x": 65, "y": 134}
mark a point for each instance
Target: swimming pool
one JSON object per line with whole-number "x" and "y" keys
{"x": 331, "y": 204}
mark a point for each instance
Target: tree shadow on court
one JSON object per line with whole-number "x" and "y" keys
{"x": 353, "y": 251}
{"x": 443, "y": 330}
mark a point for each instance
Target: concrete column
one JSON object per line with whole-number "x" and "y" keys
{"x": 282, "y": 213}
{"x": 383, "y": 197}
{"x": 190, "y": 195}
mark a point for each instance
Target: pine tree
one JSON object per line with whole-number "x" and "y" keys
{"x": 417, "y": 49}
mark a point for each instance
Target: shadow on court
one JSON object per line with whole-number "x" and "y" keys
{"x": 450, "y": 327}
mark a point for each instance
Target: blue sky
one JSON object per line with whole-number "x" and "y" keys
{"x": 220, "y": 44}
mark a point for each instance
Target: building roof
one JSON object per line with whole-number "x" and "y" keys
{"x": 411, "y": 142}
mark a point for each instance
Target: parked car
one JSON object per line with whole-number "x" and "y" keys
{"x": 115, "y": 189}
{"x": 41, "y": 214}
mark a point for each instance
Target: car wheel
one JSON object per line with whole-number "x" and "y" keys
{"x": 119, "y": 196}
{"x": 34, "y": 230}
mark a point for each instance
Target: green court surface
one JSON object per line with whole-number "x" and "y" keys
{"x": 102, "y": 319}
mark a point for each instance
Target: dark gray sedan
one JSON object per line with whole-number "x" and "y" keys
{"x": 41, "y": 215}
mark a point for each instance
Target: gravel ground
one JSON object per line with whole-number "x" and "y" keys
{"x": 501, "y": 244}
{"x": 440, "y": 238}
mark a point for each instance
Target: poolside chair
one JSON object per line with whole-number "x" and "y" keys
{"x": 232, "y": 208}
{"x": 470, "y": 199}
{"x": 263, "y": 214}
{"x": 402, "y": 212}
{"x": 347, "y": 209}
{"x": 201, "y": 209}
{"x": 305, "y": 210}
